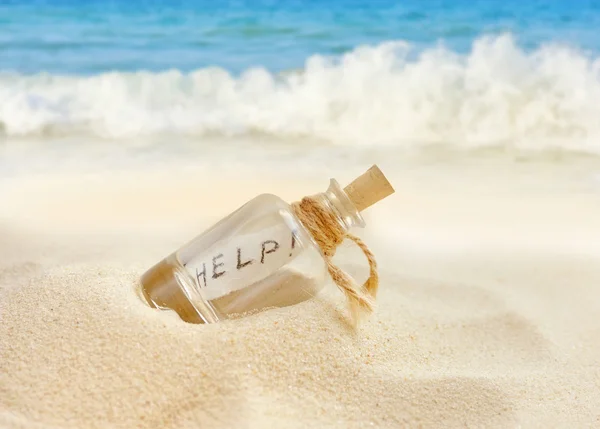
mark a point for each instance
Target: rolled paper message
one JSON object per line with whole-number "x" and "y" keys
{"x": 233, "y": 264}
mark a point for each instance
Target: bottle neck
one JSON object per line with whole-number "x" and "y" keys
{"x": 346, "y": 213}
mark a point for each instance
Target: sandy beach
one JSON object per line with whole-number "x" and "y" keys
{"x": 487, "y": 314}
{"x": 127, "y": 128}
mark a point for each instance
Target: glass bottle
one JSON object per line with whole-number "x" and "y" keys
{"x": 260, "y": 256}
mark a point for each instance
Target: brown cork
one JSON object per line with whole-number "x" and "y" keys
{"x": 369, "y": 188}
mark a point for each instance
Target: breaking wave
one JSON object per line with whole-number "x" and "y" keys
{"x": 495, "y": 95}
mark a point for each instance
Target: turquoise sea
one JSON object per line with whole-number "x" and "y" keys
{"x": 463, "y": 75}
{"x": 92, "y": 37}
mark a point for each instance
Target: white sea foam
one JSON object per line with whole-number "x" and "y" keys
{"x": 496, "y": 95}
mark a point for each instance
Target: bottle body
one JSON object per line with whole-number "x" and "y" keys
{"x": 264, "y": 254}
{"x": 259, "y": 256}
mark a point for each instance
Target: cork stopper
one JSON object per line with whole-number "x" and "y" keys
{"x": 369, "y": 188}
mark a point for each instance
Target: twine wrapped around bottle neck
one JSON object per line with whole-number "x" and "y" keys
{"x": 329, "y": 234}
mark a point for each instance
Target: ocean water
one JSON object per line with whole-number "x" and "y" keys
{"x": 518, "y": 76}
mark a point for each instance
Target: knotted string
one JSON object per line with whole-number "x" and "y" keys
{"x": 329, "y": 234}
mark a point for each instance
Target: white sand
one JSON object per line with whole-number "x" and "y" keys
{"x": 489, "y": 308}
